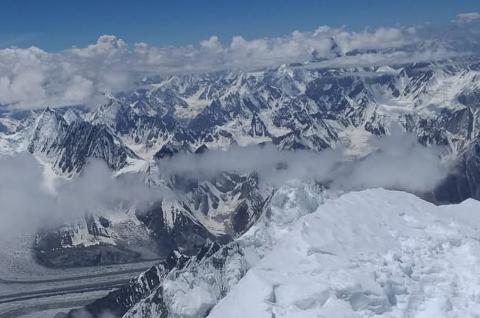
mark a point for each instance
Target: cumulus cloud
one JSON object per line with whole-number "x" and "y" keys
{"x": 33, "y": 78}
{"x": 106, "y": 46}
{"x": 380, "y": 38}
{"x": 467, "y": 17}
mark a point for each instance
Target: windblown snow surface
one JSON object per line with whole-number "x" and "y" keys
{"x": 370, "y": 253}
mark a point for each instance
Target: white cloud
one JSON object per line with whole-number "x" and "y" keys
{"x": 78, "y": 90}
{"x": 106, "y": 46}
{"x": 25, "y": 84}
{"x": 22, "y": 75}
{"x": 397, "y": 162}
{"x": 32, "y": 78}
{"x": 467, "y": 17}
{"x": 29, "y": 200}
{"x": 212, "y": 45}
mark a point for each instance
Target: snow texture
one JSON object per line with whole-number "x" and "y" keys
{"x": 370, "y": 253}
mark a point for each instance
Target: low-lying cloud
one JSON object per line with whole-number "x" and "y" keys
{"x": 397, "y": 162}
{"x": 28, "y": 203}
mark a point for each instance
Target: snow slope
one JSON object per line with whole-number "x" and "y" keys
{"x": 370, "y": 253}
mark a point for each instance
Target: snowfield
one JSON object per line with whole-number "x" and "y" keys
{"x": 370, "y": 253}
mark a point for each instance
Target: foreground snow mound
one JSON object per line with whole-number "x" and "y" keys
{"x": 370, "y": 253}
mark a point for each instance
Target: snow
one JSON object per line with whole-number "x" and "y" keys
{"x": 80, "y": 236}
{"x": 10, "y": 144}
{"x": 195, "y": 105}
{"x": 144, "y": 151}
{"x": 71, "y": 116}
{"x": 15, "y": 138}
{"x": 356, "y": 141}
{"x": 133, "y": 166}
{"x": 370, "y": 253}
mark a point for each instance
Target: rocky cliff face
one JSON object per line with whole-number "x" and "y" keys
{"x": 68, "y": 146}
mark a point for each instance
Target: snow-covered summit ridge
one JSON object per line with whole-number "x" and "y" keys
{"x": 374, "y": 252}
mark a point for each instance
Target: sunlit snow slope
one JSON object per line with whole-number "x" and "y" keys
{"x": 370, "y": 253}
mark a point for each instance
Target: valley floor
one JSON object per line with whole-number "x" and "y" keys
{"x": 27, "y": 288}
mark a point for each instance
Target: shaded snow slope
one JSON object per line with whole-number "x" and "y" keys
{"x": 370, "y": 253}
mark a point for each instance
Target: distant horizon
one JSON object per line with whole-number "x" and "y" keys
{"x": 106, "y": 55}
{"x": 58, "y": 25}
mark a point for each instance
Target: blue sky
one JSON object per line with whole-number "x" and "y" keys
{"x": 54, "y": 25}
